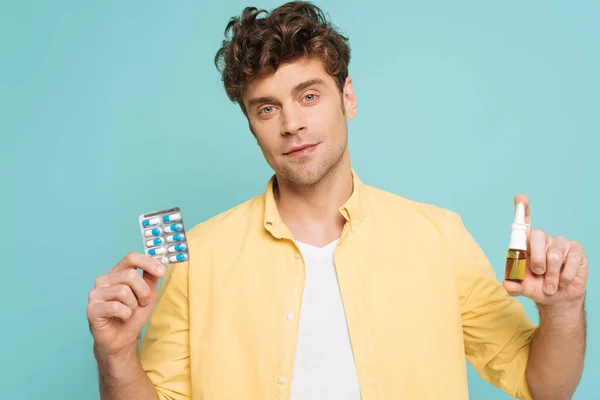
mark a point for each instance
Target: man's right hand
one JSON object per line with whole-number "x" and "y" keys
{"x": 121, "y": 303}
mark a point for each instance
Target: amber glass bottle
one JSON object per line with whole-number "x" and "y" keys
{"x": 516, "y": 256}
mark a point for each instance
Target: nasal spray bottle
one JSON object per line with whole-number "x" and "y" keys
{"x": 516, "y": 256}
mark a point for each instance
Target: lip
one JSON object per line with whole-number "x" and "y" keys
{"x": 298, "y": 150}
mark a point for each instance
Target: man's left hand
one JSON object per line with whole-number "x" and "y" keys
{"x": 557, "y": 268}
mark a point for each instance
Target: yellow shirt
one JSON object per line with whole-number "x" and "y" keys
{"x": 420, "y": 298}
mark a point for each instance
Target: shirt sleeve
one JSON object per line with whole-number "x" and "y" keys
{"x": 497, "y": 331}
{"x": 164, "y": 351}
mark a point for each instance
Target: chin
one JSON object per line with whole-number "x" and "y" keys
{"x": 304, "y": 175}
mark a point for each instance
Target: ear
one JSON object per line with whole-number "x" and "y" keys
{"x": 349, "y": 99}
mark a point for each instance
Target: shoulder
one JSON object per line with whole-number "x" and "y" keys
{"x": 394, "y": 206}
{"x": 229, "y": 221}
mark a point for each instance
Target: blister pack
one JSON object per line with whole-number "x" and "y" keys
{"x": 163, "y": 234}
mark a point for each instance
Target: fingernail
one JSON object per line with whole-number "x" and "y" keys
{"x": 549, "y": 289}
{"x": 539, "y": 271}
{"x": 160, "y": 269}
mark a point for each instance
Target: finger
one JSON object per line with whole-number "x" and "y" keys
{"x": 537, "y": 251}
{"x": 582, "y": 270}
{"x": 130, "y": 277}
{"x": 135, "y": 260}
{"x": 555, "y": 257}
{"x": 572, "y": 263}
{"x": 109, "y": 309}
{"x": 121, "y": 293}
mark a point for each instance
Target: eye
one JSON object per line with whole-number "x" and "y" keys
{"x": 310, "y": 97}
{"x": 266, "y": 111}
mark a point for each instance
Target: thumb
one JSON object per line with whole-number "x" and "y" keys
{"x": 152, "y": 282}
{"x": 514, "y": 288}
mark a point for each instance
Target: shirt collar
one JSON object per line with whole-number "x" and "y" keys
{"x": 352, "y": 209}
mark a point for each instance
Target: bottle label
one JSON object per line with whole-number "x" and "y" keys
{"x": 516, "y": 263}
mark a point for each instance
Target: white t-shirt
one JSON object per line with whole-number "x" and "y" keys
{"x": 324, "y": 364}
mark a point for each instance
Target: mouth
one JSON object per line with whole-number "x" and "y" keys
{"x": 302, "y": 150}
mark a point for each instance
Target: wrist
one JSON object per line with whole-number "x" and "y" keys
{"x": 567, "y": 306}
{"x": 564, "y": 313}
{"x": 116, "y": 365}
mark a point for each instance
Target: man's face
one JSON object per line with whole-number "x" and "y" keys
{"x": 299, "y": 120}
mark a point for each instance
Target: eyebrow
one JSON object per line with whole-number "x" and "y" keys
{"x": 298, "y": 88}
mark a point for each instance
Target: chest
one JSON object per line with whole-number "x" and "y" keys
{"x": 398, "y": 298}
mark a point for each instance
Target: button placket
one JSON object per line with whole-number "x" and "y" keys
{"x": 291, "y": 309}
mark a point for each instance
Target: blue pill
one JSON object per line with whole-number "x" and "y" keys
{"x": 156, "y": 251}
{"x": 177, "y": 248}
{"x": 172, "y": 217}
{"x": 154, "y": 242}
{"x": 176, "y": 238}
{"x": 173, "y": 228}
{"x": 152, "y": 221}
{"x": 153, "y": 232}
{"x": 178, "y": 257}
{"x": 180, "y": 247}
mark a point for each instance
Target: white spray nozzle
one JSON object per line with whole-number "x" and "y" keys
{"x": 519, "y": 213}
{"x": 518, "y": 236}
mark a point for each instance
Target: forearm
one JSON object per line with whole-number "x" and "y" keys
{"x": 123, "y": 378}
{"x": 557, "y": 352}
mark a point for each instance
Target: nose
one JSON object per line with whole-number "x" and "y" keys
{"x": 293, "y": 121}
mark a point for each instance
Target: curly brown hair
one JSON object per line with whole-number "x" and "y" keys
{"x": 293, "y": 31}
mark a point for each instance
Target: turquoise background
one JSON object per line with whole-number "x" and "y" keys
{"x": 110, "y": 109}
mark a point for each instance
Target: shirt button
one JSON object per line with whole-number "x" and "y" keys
{"x": 280, "y": 379}
{"x": 355, "y": 222}
{"x": 290, "y": 316}
{"x": 297, "y": 255}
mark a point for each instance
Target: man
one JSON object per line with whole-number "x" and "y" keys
{"x": 324, "y": 287}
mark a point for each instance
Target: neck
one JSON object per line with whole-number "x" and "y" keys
{"x": 312, "y": 212}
